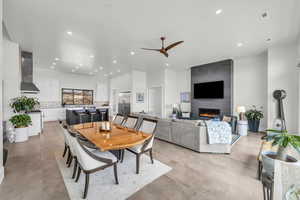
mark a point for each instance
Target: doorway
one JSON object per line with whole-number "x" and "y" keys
{"x": 155, "y": 101}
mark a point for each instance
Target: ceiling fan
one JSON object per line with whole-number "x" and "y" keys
{"x": 164, "y": 50}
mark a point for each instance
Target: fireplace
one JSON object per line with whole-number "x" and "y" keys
{"x": 209, "y": 112}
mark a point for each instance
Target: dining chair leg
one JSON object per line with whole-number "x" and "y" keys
{"x": 259, "y": 170}
{"x": 78, "y": 174}
{"x": 71, "y": 159}
{"x": 137, "y": 163}
{"x": 123, "y": 153}
{"x": 86, "y": 186}
{"x": 271, "y": 193}
{"x": 65, "y": 150}
{"x": 75, "y": 168}
{"x": 264, "y": 192}
{"x": 116, "y": 173}
{"x": 151, "y": 156}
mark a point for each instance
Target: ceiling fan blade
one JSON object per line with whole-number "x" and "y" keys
{"x": 173, "y": 45}
{"x": 151, "y": 49}
{"x": 165, "y": 53}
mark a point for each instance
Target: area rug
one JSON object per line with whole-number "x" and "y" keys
{"x": 102, "y": 185}
{"x": 234, "y": 139}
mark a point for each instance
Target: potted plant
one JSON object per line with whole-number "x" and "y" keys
{"x": 23, "y": 104}
{"x": 21, "y": 123}
{"x": 283, "y": 140}
{"x": 254, "y": 116}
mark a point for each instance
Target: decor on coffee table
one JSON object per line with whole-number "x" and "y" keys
{"x": 21, "y": 123}
{"x": 254, "y": 116}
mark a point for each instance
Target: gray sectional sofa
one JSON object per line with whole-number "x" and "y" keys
{"x": 191, "y": 134}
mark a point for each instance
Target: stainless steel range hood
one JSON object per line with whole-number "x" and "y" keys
{"x": 27, "y": 85}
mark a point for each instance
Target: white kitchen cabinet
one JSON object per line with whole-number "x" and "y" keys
{"x": 54, "y": 114}
{"x": 36, "y": 127}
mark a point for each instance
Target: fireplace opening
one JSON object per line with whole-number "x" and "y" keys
{"x": 209, "y": 112}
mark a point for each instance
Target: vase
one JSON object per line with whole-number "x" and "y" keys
{"x": 253, "y": 125}
{"x": 21, "y": 134}
{"x": 268, "y": 161}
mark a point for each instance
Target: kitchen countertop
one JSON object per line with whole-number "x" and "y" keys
{"x": 71, "y": 108}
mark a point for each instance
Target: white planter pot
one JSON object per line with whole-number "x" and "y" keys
{"x": 21, "y": 134}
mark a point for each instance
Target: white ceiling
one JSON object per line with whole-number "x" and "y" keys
{"x": 111, "y": 29}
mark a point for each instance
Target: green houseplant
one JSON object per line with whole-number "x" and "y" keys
{"x": 283, "y": 140}
{"x": 21, "y": 123}
{"x": 254, "y": 116}
{"x": 23, "y": 104}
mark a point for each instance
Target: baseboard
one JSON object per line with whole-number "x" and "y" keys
{"x": 1, "y": 174}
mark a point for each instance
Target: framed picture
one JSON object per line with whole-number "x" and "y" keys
{"x": 140, "y": 97}
{"x": 185, "y": 97}
{"x": 72, "y": 96}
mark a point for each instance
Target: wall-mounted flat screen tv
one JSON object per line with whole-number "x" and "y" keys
{"x": 209, "y": 90}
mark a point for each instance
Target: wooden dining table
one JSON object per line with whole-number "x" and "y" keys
{"x": 117, "y": 138}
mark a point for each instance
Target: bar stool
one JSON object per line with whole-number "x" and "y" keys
{"x": 92, "y": 112}
{"x": 80, "y": 114}
{"x": 102, "y": 114}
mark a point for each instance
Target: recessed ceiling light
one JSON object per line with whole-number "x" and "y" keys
{"x": 110, "y": 73}
{"x": 167, "y": 64}
{"x": 119, "y": 70}
{"x": 57, "y": 59}
{"x": 73, "y": 70}
{"x": 132, "y": 53}
{"x": 239, "y": 44}
{"x": 264, "y": 15}
{"x": 92, "y": 56}
{"x": 101, "y": 68}
{"x": 54, "y": 63}
{"x": 219, "y": 11}
{"x": 114, "y": 61}
{"x": 69, "y": 32}
{"x": 52, "y": 67}
{"x": 80, "y": 65}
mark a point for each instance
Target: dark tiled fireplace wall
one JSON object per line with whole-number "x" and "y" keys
{"x": 218, "y": 71}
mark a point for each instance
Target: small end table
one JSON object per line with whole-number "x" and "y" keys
{"x": 242, "y": 126}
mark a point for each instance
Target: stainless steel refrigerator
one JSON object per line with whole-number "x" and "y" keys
{"x": 124, "y": 101}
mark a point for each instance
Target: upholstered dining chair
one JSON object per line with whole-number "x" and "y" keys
{"x": 118, "y": 119}
{"x": 130, "y": 122}
{"x": 147, "y": 126}
{"x": 66, "y": 141}
{"x": 90, "y": 162}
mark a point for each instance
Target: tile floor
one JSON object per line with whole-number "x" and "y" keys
{"x": 32, "y": 172}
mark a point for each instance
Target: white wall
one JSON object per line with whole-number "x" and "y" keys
{"x": 175, "y": 82}
{"x": 283, "y": 74}
{"x": 122, "y": 83}
{"x": 250, "y": 84}
{"x": 11, "y": 74}
{"x": 155, "y": 78}
{"x": 1, "y": 104}
{"x": 139, "y": 85}
{"x": 50, "y": 83}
